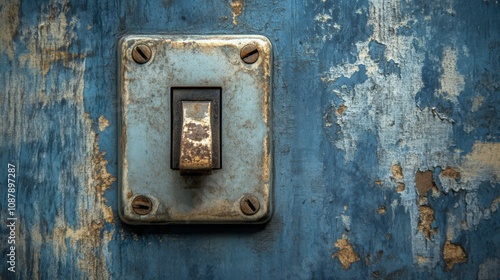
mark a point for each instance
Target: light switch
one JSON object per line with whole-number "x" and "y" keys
{"x": 196, "y": 115}
{"x": 195, "y": 129}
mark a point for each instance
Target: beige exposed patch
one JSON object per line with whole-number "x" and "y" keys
{"x": 450, "y": 172}
{"x": 236, "y": 9}
{"x": 55, "y": 35}
{"x": 397, "y": 171}
{"x": 9, "y": 21}
{"x": 482, "y": 162}
{"x": 453, "y": 254}
{"x": 340, "y": 110}
{"x": 452, "y": 82}
{"x": 346, "y": 253}
{"x": 426, "y": 220}
{"x": 102, "y": 179}
{"x": 423, "y": 260}
{"x": 103, "y": 123}
{"x": 424, "y": 182}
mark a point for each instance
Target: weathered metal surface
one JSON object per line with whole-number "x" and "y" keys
{"x": 179, "y": 95}
{"x": 147, "y": 91}
{"x": 196, "y": 138}
{"x": 367, "y": 94}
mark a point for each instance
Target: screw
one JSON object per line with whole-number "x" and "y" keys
{"x": 249, "y": 205}
{"x": 141, "y": 54}
{"x": 249, "y": 53}
{"x": 141, "y": 205}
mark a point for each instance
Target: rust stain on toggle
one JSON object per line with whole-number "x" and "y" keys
{"x": 196, "y": 138}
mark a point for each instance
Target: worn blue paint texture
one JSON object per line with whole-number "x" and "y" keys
{"x": 386, "y": 141}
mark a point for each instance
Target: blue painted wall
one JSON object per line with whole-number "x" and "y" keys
{"x": 367, "y": 94}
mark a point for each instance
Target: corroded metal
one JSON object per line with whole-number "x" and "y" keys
{"x": 205, "y": 94}
{"x": 249, "y": 53}
{"x": 148, "y": 112}
{"x": 141, "y": 205}
{"x": 249, "y": 205}
{"x": 141, "y": 54}
{"x": 196, "y": 138}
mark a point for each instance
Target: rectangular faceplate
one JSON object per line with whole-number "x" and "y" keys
{"x": 151, "y": 69}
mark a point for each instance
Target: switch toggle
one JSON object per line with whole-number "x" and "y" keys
{"x": 196, "y": 148}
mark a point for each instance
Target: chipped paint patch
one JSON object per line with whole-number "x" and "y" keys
{"x": 453, "y": 254}
{"x": 482, "y": 163}
{"x": 55, "y": 102}
{"x": 426, "y": 220}
{"x": 450, "y": 172}
{"x": 9, "y": 21}
{"x": 323, "y": 17}
{"x": 102, "y": 179}
{"x": 397, "y": 171}
{"x": 340, "y": 110}
{"x": 55, "y": 34}
{"x": 236, "y": 9}
{"x": 424, "y": 182}
{"x": 412, "y": 137}
{"x": 346, "y": 253}
{"x": 103, "y": 123}
{"x": 452, "y": 82}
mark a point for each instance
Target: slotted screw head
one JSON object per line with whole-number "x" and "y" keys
{"x": 249, "y": 205}
{"x": 249, "y": 53}
{"x": 141, "y": 54}
{"x": 141, "y": 205}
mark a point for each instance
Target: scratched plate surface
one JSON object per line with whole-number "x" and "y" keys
{"x": 145, "y": 136}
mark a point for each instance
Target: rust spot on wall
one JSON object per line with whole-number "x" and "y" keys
{"x": 236, "y": 9}
{"x": 425, "y": 222}
{"x": 341, "y": 110}
{"x": 382, "y": 210}
{"x": 453, "y": 254}
{"x": 424, "y": 182}
{"x": 397, "y": 172}
{"x": 346, "y": 253}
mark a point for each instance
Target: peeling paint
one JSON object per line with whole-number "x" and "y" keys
{"x": 9, "y": 20}
{"x": 103, "y": 123}
{"x": 52, "y": 108}
{"x": 426, "y": 220}
{"x": 397, "y": 171}
{"x": 425, "y": 182}
{"x": 236, "y": 9}
{"x": 450, "y": 172}
{"x": 452, "y": 82}
{"x": 346, "y": 253}
{"x": 453, "y": 254}
{"x": 386, "y": 104}
{"x": 54, "y": 35}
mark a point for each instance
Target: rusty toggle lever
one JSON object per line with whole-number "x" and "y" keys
{"x": 196, "y": 138}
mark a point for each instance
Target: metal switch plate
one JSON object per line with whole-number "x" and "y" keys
{"x": 151, "y": 192}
